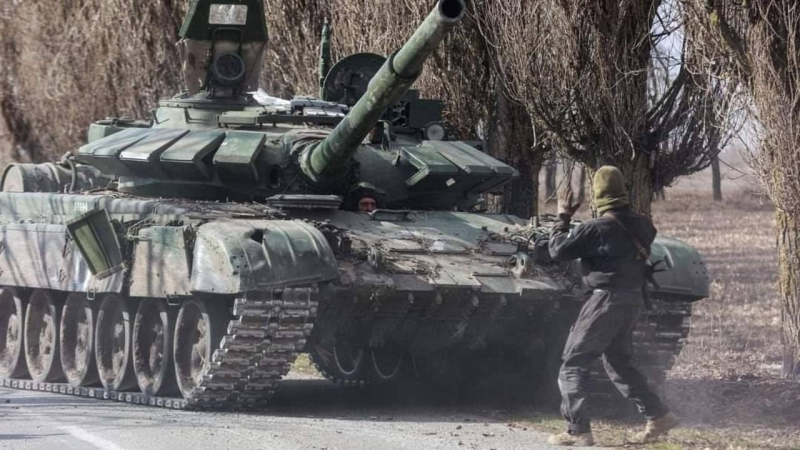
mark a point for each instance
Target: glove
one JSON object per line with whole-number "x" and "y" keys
{"x": 566, "y": 205}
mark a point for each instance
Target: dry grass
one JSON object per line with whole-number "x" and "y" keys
{"x": 736, "y": 332}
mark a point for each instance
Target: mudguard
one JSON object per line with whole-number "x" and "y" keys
{"x": 684, "y": 273}
{"x": 239, "y": 256}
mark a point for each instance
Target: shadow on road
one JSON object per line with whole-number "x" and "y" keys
{"x": 407, "y": 402}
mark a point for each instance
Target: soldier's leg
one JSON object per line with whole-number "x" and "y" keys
{"x": 628, "y": 380}
{"x": 597, "y": 325}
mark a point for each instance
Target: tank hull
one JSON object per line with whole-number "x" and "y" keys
{"x": 373, "y": 297}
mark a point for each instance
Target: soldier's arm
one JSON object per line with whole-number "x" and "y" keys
{"x": 564, "y": 247}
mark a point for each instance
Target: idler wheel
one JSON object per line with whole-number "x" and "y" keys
{"x": 198, "y": 331}
{"x": 113, "y": 344}
{"x": 77, "y": 341}
{"x": 12, "y": 313}
{"x": 387, "y": 363}
{"x": 152, "y": 348}
{"x": 41, "y": 337}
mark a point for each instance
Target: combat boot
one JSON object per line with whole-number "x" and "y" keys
{"x": 658, "y": 427}
{"x": 568, "y": 439}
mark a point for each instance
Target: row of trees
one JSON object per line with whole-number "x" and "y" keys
{"x": 655, "y": 87}
{"x": 757, "y": 44}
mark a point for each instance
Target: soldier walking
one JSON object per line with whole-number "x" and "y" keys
{"x": 613, "y": 249}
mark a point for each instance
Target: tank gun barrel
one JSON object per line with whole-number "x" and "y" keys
{"x": 391, "y": 82}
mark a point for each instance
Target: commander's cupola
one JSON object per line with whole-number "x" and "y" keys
{"x": 222, "y": 47}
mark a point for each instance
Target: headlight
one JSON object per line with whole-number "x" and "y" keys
{"x": 434, "y": 132}
{"x": 228, "y": 69}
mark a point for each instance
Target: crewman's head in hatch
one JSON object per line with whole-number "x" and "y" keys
{"x": 365, "y": 198}
{"x": 367, "y": 203}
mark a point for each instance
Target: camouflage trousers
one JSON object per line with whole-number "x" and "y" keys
{"x": 604, "y": 328}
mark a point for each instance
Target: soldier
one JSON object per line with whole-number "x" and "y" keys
{"x": 365, "y": 197}
{"x": 613, "y": 249}
{"x": 367, "y": 203}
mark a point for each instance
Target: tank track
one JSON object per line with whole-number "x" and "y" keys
{"x": 658, "y": 340}
{"x": 268, "y": 331}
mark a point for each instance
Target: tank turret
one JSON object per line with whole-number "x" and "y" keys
{"x": 393, "y": 80}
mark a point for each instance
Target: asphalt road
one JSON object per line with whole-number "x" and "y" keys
{"x": 305, "y": 414}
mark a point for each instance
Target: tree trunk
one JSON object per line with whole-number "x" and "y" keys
{"x": 640, "y": 185}
{"x": 582, "y": 185}
{"x": 716, "y": 179}
{"x": 511, "y": 140}
{"x": 550, "y": 179}
{"x": 789, "y": 290}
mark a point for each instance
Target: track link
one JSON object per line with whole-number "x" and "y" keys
{"x": 268, "y": 331}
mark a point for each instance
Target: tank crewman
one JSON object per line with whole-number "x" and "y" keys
{"x": 367, "y": 204}
{"x": 613, "y": 249}
{"x": 365, "y": 198}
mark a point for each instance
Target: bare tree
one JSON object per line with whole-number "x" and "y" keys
{"x": 758, "y": 44}
{"x": 581, "y": 71}
{"x": 67, "y": 63}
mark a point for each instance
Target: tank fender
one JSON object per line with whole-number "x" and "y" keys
{"x": 684, "y": 273}
{"x": 237, "y": 256}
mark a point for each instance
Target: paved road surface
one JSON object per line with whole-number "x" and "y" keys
{"x": 306, "y": 414}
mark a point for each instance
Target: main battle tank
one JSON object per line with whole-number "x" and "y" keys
{"x": 186, "y": 261}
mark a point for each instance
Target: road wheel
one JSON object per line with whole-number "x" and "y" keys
{"x": 152, "y": 347}
{"x": 12, "y": 313}
{"x": 342, "y": 362}
{"x": 386, "y": 363}
{"x": 113, "y": 344}
{"x": 77, "y": 341}
{"x": 41, "y": 337}
{"x": 349, "y": 358}
{"x": 198, "y": 331}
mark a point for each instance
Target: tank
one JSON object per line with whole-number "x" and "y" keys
{"x": 187, "y": 260}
